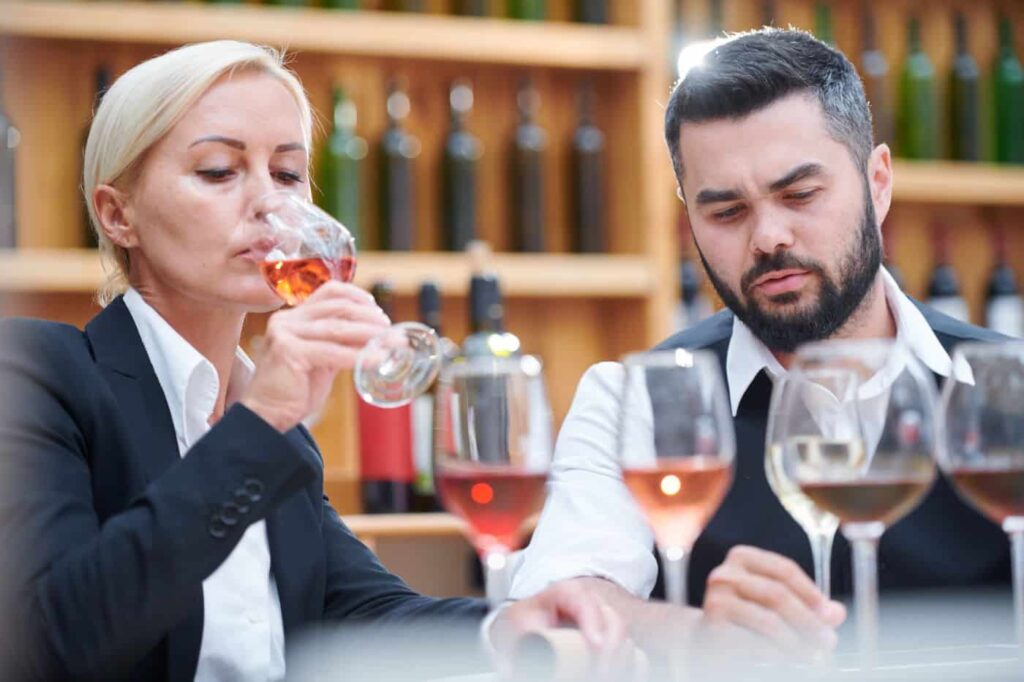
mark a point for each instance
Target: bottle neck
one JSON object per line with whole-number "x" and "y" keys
{"x": 961, "y": 35}
{"x": 914, "y": 36}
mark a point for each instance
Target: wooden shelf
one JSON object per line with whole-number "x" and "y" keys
{"x": 946, "y": 182}
{"x": 375, "y": 34}
{"x": 522, "y": 275}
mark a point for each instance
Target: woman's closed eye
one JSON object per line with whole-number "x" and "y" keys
{"x": 215, "y": 174}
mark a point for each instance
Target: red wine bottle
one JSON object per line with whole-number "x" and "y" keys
{"x": 588, "y": 178}
{"x": 943, "y": 285}
{"x": 462, "y": 151}
{"x": 1004, "y": 308}
{"x": 385, "y": 445}
{"x": 527, "y": 202}
{"x": 10, "y": 138}
{"x": 398, "y": 150}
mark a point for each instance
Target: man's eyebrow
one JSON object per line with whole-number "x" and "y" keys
{"x": 799, "y": 173}
{"x": 715, "y": 196}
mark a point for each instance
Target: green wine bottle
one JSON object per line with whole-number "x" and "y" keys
{"x": 342, "y": 4}
{"x": 404, "y": 5}
{"x": 823, "y": 23}
{"x": 1009, "y": 98}
{"x": 472, "y": 8}
{"x": 532, "y": 10}
{"x": 285, "y": 3}
{"x": 10, "y": 138}
{"x": 875, "y": 73}
{"x": 918, "y": 125}
{"x": 398, "y": 150}
{"x": 341, "y": 161}
{"x": 528, "y": 147}
{"x": 965, "y": 100}
{"x": 89, "y": 238}
{"x": 588, "y": 178}
{"x": 462, "y": 151}
{"x": 590, "y": 11}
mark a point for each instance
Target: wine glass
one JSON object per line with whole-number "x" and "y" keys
{"x": 304, "y": 247}
{"x": 676, "y": 446}
{"x": 788, "y": 418}
{"x": 981, "y": 444}
{"x": 877, "y": 405}
{"x": 492, "y": 453}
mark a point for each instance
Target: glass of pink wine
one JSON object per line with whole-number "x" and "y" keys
{"x": 492, "y": 453}
{"x": 981, "y": 446}
{"x": 303, "y": 247}
{"x": 676, "y": 446}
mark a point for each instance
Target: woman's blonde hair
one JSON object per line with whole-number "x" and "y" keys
{"x": 144, "y": 104}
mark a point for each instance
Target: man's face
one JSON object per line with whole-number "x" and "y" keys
{"x": 784, "y": 220}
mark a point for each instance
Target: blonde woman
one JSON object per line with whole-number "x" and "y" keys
{"x": 167, "y": 518}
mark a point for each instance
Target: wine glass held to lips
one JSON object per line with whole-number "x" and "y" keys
{"x": 303, "y": 247}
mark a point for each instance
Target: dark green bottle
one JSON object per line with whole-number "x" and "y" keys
{"x": 462, "y": 151}
{"x": 532, "y": 10}
{"x": 341, "y": 162}
{"x": 918, "y": 125}
{"x": 404, "y": 5}
{"x": 10, "y": 138}
{"x": 528, "y": 148}
{"x": 1009, "y": 98}
{"x": 286, "y": 3}
{"x": 965, "y": 100}
{"x": 472, "y": 8}
{"x": 102, "y": 82}
{"x": 590, "y": 11}
{"x": 398, "y": 150}
{"x": 768, "y": 13}
{"x": 823, "y": 23}
{"x": 875, "y": 74}
{"x": 342, "y": 4}
{"x": 587, "y": 166}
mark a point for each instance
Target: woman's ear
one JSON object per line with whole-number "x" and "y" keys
{"x": 113, "y": 215}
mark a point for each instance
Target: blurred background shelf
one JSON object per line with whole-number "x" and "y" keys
{"x": 949, "y": 182}
{"x": 522, "y": 275}
{"x": 378, "y": 34}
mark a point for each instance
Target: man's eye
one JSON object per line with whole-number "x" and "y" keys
{"x": 728, "y": 213}
{"x": 801, "y": 196}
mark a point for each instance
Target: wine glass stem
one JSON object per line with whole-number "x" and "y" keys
{"x": 674, "y": 562}
{"x": 821, "y": 549}
{"x": 496, "y": 578}
{"x": 864, "y": 542}
{"x": 1017, "y": 567}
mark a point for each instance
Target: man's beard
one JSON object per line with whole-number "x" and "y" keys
{"x": 783, "y": 332}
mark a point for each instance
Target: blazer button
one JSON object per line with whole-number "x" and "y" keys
{"x": 242, "y": 501}
{"x": 229, "y": 514}
{"x": 216, "y": 528}
{"x": 254, "y": 489}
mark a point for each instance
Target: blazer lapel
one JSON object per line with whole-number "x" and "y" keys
{"x": 122, "y": 358}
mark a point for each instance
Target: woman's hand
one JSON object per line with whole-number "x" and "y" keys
{"x": 305, "y": 347}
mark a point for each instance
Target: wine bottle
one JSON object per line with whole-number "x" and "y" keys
{"x": 590, "y": 11}
{"x": 385, "y": 444}
{"x": 462, "y": 150}
{"x": 918, "y": 127}
{"x": 89, "y": 238}
{"x": 823, "y": 23}
{"x": 716, "y": 21}
{"x": 423, "y": 406}
{"x": 527, "y": 201}
{"x": 404, "y": 5}
{"x": 10, "y": 138}
{"x": 398, "y": 149}
{"x": 532, "y": 10}
{"x": 965, "y": 99}
{"x": 1009, "y": 98}
{"x": 875, "y": 73}
{"x": 588, "y": 178}
{"x": 341, "y": 162}
{"x": 767, "y": 13}
{"x": 342, "y": 4}
{"x": 693, "y": 304}
{"x": 1004, "y": 308}
{"x": 943, "y": 285}
{"x": 472, "y": 8}
{"x": 285, "y": 3}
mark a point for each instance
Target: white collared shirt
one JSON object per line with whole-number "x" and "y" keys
{"x": 590, "y": 525}
{"x": 243, "y": 632}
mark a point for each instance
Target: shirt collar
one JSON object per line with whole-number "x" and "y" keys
{"x": 189, "y": 381}
{"x": 747, "y": 355}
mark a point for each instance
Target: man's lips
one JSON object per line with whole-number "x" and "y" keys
{"x": 781, "y": 281}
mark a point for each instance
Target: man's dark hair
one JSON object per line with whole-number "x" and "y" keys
{"x": 750, "y": 71}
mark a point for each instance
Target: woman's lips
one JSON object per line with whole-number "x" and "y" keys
{"x": 782, "y": 282}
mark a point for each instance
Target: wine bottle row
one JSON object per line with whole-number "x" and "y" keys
{"x": 396, "y": 446}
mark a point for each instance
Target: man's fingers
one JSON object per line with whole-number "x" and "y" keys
{"x": 780, "y": 568}
{"x": 756, "y": 618}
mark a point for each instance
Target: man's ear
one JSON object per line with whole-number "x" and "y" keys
{"x": 113, "y": 214}
{"x": 880, "y": 180}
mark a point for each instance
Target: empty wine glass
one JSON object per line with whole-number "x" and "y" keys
{"x": 981, "y": 446}
{"x": 303, "y": 248}
{"x": 676, "y": 446}
{"x": 492, "y": 453}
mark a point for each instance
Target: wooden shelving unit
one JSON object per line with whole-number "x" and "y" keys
{"x": 948, "y": 182}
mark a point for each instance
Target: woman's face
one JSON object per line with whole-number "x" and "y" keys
{"x": 189, "y": 208}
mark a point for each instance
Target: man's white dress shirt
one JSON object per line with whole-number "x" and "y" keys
{"x": 243, "y": 633}
{"x": 590, "y": 525}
